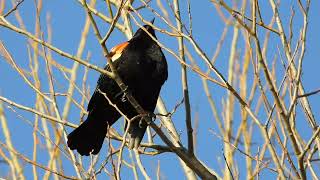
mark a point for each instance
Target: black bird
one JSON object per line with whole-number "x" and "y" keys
{"x": 142, "y": 66}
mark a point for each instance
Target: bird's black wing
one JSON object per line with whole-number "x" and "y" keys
{"x": 98, "y": 98}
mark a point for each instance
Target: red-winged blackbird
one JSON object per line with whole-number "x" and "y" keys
{"x": 143, "y": 68}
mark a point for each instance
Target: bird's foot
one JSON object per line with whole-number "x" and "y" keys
{"x": 150, "y": 116}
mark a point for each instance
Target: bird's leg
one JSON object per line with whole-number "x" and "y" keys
{"x": 152, "y": 115}
{"x": 148, "y": 115}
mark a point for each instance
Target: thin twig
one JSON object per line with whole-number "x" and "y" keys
{"x": 18, "y": 3}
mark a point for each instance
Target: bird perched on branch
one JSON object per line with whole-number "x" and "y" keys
{"x": 142, "y": 67}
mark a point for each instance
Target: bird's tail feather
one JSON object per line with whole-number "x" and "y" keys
{"x": 88, "y": 137}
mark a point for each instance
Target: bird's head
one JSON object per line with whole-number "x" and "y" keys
{"x": 141, "y": 33}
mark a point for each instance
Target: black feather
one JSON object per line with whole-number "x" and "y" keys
{"x": 143, "y": 68}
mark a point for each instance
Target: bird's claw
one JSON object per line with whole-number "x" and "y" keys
{"x": 149, "y": 115}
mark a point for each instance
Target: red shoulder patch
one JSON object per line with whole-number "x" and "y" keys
{"x": 117, "y": 50}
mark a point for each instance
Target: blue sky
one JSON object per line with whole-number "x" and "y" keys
{"x": 67, "y": 20}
